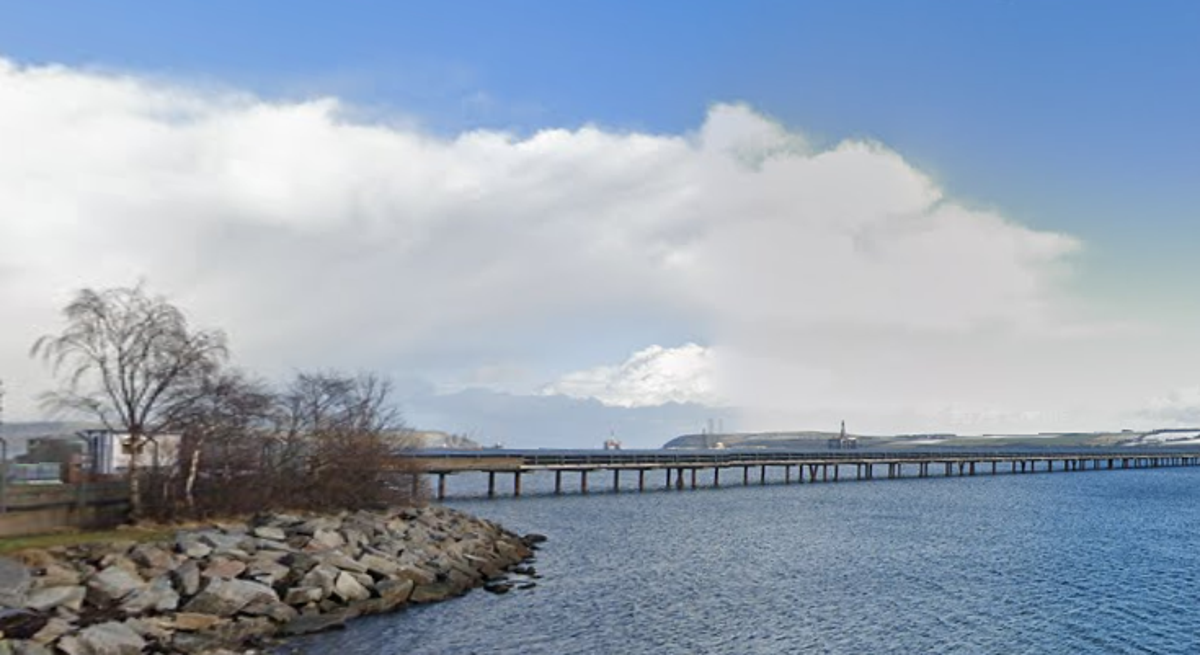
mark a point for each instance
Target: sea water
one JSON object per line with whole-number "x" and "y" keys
{"x": 1083, "y": 562}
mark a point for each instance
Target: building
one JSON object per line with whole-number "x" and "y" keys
{"x": 110, "y": 452}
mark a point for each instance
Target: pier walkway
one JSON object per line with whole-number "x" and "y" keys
{"x": 682, "y": 469}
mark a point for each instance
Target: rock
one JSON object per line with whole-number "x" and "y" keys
{"x": 498, "y": 587}
{"x": 417, "y": 575}
{"x": 378, "y": 565}
{"x": 395, "y": 592}
{"x": 110, "y": 638}
{"x": 321, "y": 576}
{"x": 275, "y": 610}
{"x": 56, "y": 575}
{"x": 192, "y": 622}
{"x": 21, "y": 624}
{"x": 526, "y": 585}
{"x": 225, "y": 597}
{"x": 533, "y": 538}
{"x": 267, "y": 571}
{"x": 159, "y": 596}
{"x": 191, "y": 546}
{"x": 341, "y": 561}
{"x": 53, "y": 629}
{"x": 308, "y": 624}
{"x": 225, "y": 543}
{"x": 222, "y": 567}
{"x": 14, "y": 582}
{"x": 304, "y": 595}
{"x": 27, "y": 648}
{"x": 151, "y": 628}
{"x": 270, "y": 532}
{"x": 152, "y": 557}
{"x": 48, "y": 598}
{"x": 349, "y": 589}
{"x": 187, "y": 578}
{"x": 433, "y": 592}
{"x": 112, "y": 584}
{"x": 324, "y": 539}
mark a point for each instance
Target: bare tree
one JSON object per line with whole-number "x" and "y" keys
{"x": 131, "y": 360}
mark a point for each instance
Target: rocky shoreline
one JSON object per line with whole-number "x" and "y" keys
{"x": 238, "y": 586}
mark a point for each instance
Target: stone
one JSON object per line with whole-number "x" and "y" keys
{"x": 112, "y": 584}
{"x": 225, "y": 597}
{"x": 324, "y": 539}
{"x": 395, "y": 592}
{"x": 533, "y": 538}
{"x": 321, "y": 576}
{"x": 152, "y": 628}
{"x": 53, "y": 629}
{"x": 48, "y": 598}
{"x": 191, "y": 546}
{"x": 27, "y": 648}
{"x": 269, "y": 532}
{"x": 57, "y": 575}
{"x": 14, "y": 582}
{"x": 266, "y": 571}
{"x": 277, "y": 611}
{"x": 310, "y": 623}
{"x": 349, "y": 589}
{"x": 223, "y": 567}
{"x": 378, "y": 565}
{"x": 192, "y": 622}
{"x": 159, "y": 596}
{"x": 110, "y": 638}
{"x": 21, "y": 624}
{"x": 432, "y": 593}
{"x": 187, "y": 578}
{"x": 155, "y": 558}
{"x": 418, "y": 575}
{"x": 303, "y": 595}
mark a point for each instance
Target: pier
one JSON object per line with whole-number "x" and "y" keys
{"x": 640, "y": 471}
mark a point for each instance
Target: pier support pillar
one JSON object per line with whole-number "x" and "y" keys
{"x": 517, "y": 484}
{"x": 679, "y": 479}
{"x": 441, "y": 486}
{"x": 583, "y": 482}
{"x": 762, "y": 474}
{"x": 491, "y": 484}
{"x": 825, "y": 473}
{"x": 694, "y": 478}
{"x": 641, "y": 479}
{"x": 972, "y": 468}
{"x": 993, "y": 467}
{"x": 557, "y": 482}
{"x": 836, "y": 469}
{"x": 616, "y": 481}
{"x": 716, "y": 477}
{"x": 745, "y": 475}
{"x": 787, "y": 474}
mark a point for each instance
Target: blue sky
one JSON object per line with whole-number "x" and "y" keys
{"x": 1067, "y": 117}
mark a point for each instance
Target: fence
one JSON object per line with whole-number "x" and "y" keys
{"x": 34, "y": 508}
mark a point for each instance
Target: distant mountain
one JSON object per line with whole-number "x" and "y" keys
{"x": 18, "y": 434}
{"x": 815, "y": 440}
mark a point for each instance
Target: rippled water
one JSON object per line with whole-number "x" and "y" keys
{"x": 1103, "y": 562}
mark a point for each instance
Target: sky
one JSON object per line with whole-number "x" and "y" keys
{"x": 550, "y": 223}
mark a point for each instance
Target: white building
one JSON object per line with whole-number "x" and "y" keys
{"x": 110, "y": 452}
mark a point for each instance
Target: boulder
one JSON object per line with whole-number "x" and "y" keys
{"x": 152, "y": 557}
{"x": 53, "y": 629}
{"x": 192, "y": 622}
{"x": 110, "y": 638}
{"x": 323, "y": 539}
{"x": 225, "y": 597}
{"x": 432, "y": 593}
{"x": 310, "y": 623}
{"x": 158, "y": 596}
{"x": 350, "y": 589}
{"x": 112, "y": 584}
{"x": 48, "y": 598}
{"x": 223, "y": 567}
{"x": 303, "y": 595}
{"x": 187, "y": 578}
{"x": 269, "y": 532}
{"x": 14, "y": 582}
{"x": 377, "y": 565}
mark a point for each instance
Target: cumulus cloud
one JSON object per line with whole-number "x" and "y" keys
{"x": 652, "y": 376}
{"x": 819, "y": 275}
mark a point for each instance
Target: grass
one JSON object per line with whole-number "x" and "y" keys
{"x": 73, "y": 538}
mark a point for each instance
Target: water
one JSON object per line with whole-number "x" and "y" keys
{"x": 1101, "y": 562}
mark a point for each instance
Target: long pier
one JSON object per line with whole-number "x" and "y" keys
{"x": 684, "y": 469}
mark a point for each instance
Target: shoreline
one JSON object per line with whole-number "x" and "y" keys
{"x": 247, "y": 585}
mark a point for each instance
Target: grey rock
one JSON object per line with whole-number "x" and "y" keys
{"x": 187, "y": 578}
{"x": 110, "y": 638}
{"x": 53, "y": 629}
{"x": 14, "y": 582}
{"x": 28, "y": 648}
{"x": 275, "y": 610}
{"x": 223, "y": 567}
{"x": 379, "y": 565}
{"x": 432, "y": 593}
{"x": 112, "y": 584}
{"x": 190, "y": 545}
{"x": 395, "y": 592}
{"x": 418, "y": 575}
{"x": 269, "y": 532}
{"x": 324, "y": 539}
{"x": 155, "y": 558}
{"x": 191, "y": 622}
{"x": 310, "y": 623}
{"x": 225, "y": 597}
{"x": 48, "y": 598}
{"x": 349, "y": 589}
{"x": 304, "y": 595}
{"x": 21, "y": 624}
{"x": 158, "y": 596}
{"x": 321, "y": 576}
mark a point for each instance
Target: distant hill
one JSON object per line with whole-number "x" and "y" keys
{"x": 816, "y": 440}
{"x": 436, "y": 439}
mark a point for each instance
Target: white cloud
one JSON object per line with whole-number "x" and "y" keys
{"x": 652, "y": 376}
{"x": 829, "y": 280}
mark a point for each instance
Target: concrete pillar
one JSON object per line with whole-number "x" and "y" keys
{"x": 441, "y": 486}
{"x": 836, "y": 469}
{"x": 693, "y": 478}
{"x": 583, "y": 482}
{"x": 972, "y": 468}
{"x": 716, "y": 477}
{"x": 641, "y": 479}
{"x": 616, "y": 481}
{"x": 679, "y": 479}
{"x": 557, "y": 482}
{"x": 762, "y": 474}
{"x": 491, "y": 484}
{"x": 825, "y": 473}
{"x": 517, "y": 484}
{"x": 787, "y": 474}
{"x": 745, "y": 475}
